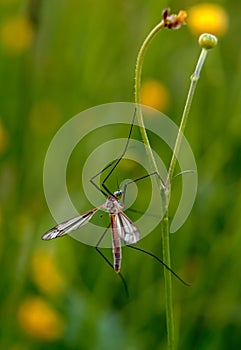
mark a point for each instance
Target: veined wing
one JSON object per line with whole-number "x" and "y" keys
{"x": 126, "y": 228}
{"x": 70, "y": 225}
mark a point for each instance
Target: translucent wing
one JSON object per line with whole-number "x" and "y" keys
{"x": 126, "y": 228}
{"x": 70, "y": 225}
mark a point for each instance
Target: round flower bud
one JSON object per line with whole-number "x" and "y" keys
{"x": 207, "y": 41}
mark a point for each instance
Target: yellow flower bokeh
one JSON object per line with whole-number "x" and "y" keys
{"x": 208, "y": 18}
{"x": 46, "y": 274}
{"x": 39, "y": 320}
{"x": 16, "y": 34}
{"x": 155, "y": 95}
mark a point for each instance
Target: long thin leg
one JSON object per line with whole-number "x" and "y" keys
{"x": 141, "y": 212}
{"x": 115, "y": 162}
{"x": 141, "y": 178}
{"x": 160, "y": 261}
{"x": 108, "y": 262}
{"x": 124, "y": 151}
{"x": 99, "y": 173}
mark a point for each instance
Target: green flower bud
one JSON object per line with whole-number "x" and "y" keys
{"x": 207, "y": 41}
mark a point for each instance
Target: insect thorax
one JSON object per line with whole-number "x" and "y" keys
{"x": 112, "y": 205}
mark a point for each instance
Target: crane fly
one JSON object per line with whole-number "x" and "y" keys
{"x": 121, "y": 226}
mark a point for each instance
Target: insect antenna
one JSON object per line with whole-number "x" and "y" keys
{"x": 117, "y": 183}
{"x": 161, "y": 262}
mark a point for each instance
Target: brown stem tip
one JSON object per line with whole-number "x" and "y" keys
{"x": 173, "y": 21}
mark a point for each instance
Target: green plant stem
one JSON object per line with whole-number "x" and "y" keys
{"x": 165, "y": 222}
{"x": 194, "y": 79}
{"x": 164, "y": 193}
{"x": 168, "y": 282}
{"x": 137, "y": 97}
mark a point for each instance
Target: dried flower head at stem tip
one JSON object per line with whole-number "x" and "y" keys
{"x": 173, "y": 21}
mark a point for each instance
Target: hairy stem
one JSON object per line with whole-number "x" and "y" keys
{"x": 164, "y": 223}
{"x": 138, "y": 72}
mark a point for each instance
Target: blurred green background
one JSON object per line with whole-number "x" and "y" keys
{"x": 58, "y": 58}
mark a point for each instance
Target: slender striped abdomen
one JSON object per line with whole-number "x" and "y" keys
{"x": 116, "y": 245}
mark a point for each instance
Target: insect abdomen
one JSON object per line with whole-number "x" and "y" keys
{"x": 117, "y": 259}
{"x": 116, "y": 245}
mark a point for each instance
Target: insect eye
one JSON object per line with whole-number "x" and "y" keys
{"x": 118, "y": 193}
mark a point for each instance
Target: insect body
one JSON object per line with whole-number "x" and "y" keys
{"x": 121, "y": 225}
